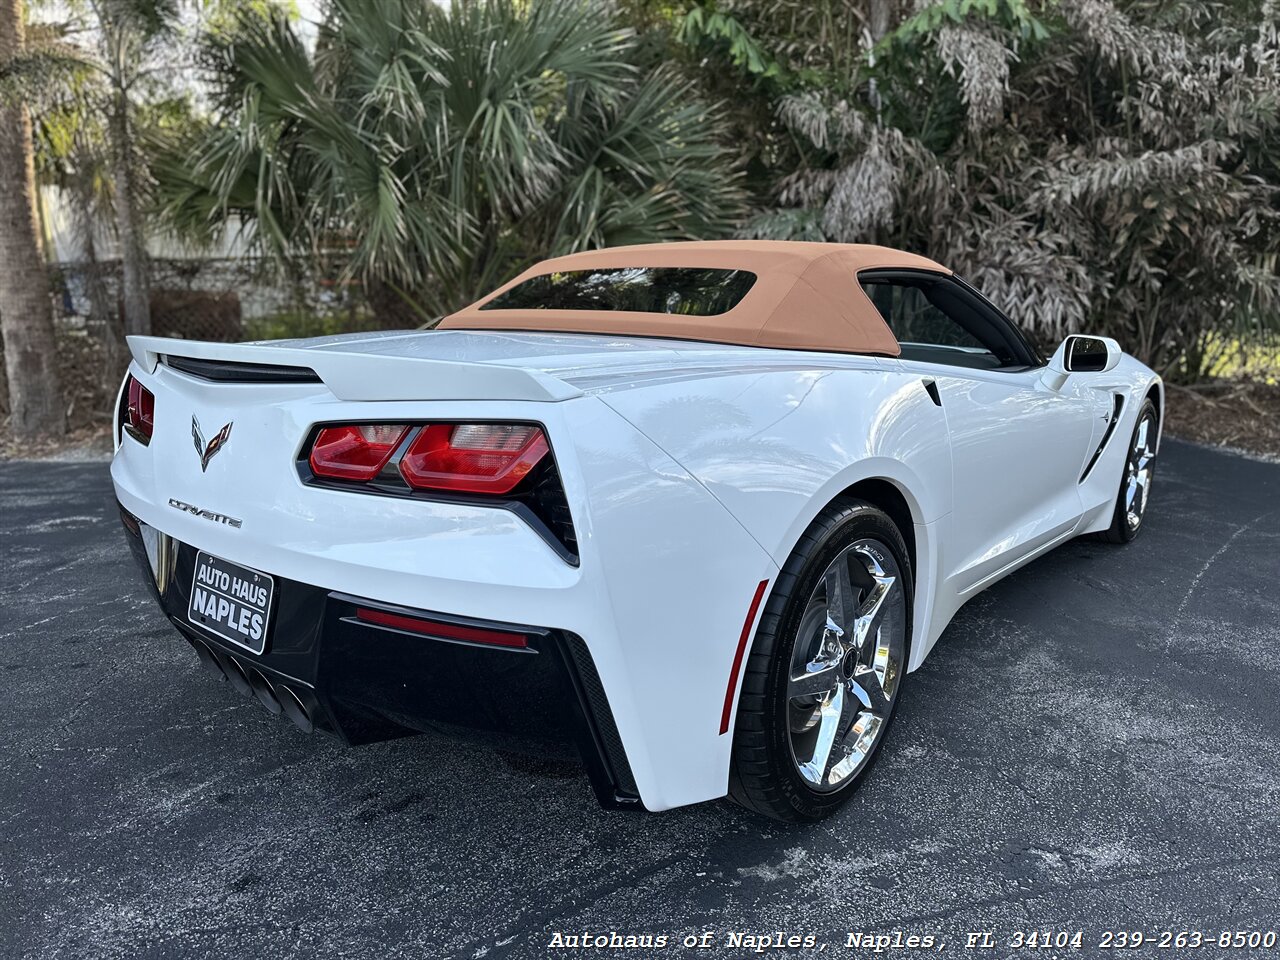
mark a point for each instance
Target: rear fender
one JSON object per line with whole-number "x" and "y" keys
{"x": 776, "y": 447}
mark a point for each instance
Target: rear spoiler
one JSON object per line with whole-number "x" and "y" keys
{"x": 352, "y": 375}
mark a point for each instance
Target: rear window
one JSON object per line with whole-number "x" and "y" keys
{"x": 685, "y": 290}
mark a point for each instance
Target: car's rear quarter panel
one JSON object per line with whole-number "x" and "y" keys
{"x": 775, "y": 446}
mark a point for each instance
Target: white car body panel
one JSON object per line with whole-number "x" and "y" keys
{"x": 691, "y": 471}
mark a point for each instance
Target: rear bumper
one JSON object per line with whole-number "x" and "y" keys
{"x": 365, "y": 682}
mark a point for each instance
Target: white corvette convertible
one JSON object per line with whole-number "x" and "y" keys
{"x": 694, "y": 510}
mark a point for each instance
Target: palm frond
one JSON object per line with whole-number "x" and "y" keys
{"x": 441, "y": 150}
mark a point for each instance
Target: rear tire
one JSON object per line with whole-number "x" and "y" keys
{"x": 825, "y": 672}
{"x": 1135, "y": 482}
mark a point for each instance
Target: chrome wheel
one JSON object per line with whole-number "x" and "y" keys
{"x": 846, "y": 665}
{"x": 1138, "y": 471}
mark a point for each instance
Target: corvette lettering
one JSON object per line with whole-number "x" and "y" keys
{"x": 206, "y": 514}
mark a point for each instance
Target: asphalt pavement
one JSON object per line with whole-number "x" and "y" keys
{"x": 1093, "y": 745}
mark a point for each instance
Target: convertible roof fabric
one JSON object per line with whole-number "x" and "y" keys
{"x": 806, "y": 296}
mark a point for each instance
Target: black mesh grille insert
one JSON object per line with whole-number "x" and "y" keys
{"x": 602, "y": 716}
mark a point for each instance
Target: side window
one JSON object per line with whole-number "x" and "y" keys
{"x": 935, "y": 322}
{"x": 913, "y": 319}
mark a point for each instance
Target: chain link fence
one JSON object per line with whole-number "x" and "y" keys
{"x": 218, "y": 299}
{"x": 194, "y": 299}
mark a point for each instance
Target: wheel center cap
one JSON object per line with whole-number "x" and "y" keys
{"x": 849, "y": 664}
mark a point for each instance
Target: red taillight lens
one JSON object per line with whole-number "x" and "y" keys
{"x": 356, "y": 452}
{"x": 140, "y": 412}
{"x": 473, "y": 457}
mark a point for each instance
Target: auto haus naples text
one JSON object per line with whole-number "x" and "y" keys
{"x": 215, "y": 593}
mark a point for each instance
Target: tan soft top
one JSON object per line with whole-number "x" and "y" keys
{"x": 806, "y": 296}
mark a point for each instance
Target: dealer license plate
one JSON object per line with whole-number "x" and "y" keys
{"x": 231, "y": 601}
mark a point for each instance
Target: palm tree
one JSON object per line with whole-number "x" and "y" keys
{"x": 130, "y": 33}
{"x": 439, "y": 151}
{"x": 26, "y": 315}
{"x": 94, "y": 72}
{"x": 72, "y": 154}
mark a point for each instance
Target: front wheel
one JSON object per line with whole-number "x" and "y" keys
{"x": 1135, "y": 484}
{"x": 824, "y": 674}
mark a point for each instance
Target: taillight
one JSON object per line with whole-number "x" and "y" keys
{"x": 473, "y": 457}
{"x": 140, "y": 411}
{"x": 356, "y": 452}
{"x": 512, "y": 461}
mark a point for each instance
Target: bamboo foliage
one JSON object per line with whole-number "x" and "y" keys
{"x": 979, "y": 61}
{"x": 1090, "y": 164}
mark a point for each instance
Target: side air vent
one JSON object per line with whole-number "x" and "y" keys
{"x": 1117, "y": 406}
{"x": 229, "y": 371}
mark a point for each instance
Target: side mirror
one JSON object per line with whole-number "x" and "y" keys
{"x": 1081, "y": 354}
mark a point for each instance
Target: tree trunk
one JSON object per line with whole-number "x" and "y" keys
{"x": 878, "y": 22}
{"x": 133, "y": 252}
{"x": 102, "y": 312}
{"x": 26, "y": 315}
{"x": 881, "y": 19}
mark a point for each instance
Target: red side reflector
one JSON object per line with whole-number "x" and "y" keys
{"x": 446, "y": 631}
{"x": 473, "y": 457}
{"x": 355, "y": 452}
{"x": 737, "y": 657}
{"x": 130, "y": 521}
{"x": 141, "y": 410}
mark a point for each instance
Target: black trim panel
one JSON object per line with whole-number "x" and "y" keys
{"x": 235, "y": 371}
{"x": 595, "y": 707}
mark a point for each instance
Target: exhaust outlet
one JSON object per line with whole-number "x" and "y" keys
{"x": 235, "y": 673}
{"x": 262, "y": 690}
{"x": 207, "y": 657}
{"x": 248, "y": 680}
{"x": 295, "y": 709}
